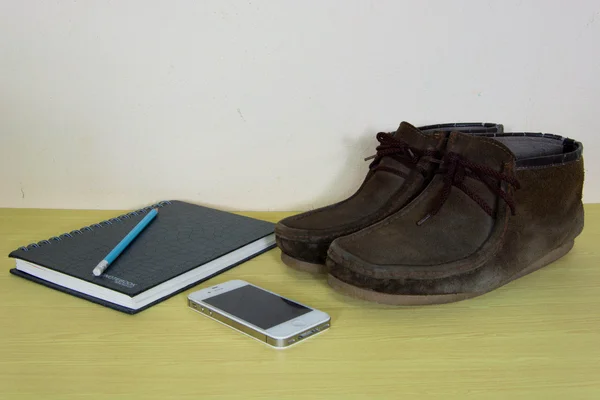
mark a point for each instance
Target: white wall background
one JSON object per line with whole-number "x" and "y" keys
{"x": 271, "y": 104}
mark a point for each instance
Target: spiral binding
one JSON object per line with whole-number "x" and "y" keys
{"x": 90, "y": 228}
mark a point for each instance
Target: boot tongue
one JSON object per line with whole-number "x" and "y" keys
{"x": 414, "y": 137}
{"x": 481, "y": 150}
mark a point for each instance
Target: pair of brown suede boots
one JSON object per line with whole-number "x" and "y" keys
{"x": 446, "y": 212}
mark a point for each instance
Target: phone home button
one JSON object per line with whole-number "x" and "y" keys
{"x": 298, "y": 323}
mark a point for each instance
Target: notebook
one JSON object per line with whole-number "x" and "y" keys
{"x": 185, "y": 244}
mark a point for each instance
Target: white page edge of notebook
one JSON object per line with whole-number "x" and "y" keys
{"x": 155, "y": 293}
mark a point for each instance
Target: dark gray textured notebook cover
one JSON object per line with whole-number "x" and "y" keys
{"x": 182, "y": 237}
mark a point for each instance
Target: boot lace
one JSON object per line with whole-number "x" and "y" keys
{"x": 400, "y": 151}
{"x": 457, "y": 168}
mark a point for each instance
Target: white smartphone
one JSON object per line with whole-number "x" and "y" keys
{"x": 256, "y": 312}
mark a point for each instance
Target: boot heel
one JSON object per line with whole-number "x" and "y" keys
{"x": 547, "y": 259}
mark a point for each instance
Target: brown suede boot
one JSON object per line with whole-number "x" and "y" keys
{"x": 398, "y": 173}
{"x": 496, "y": 210}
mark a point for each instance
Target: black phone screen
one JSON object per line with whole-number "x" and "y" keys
{"x": 257, "y": 306}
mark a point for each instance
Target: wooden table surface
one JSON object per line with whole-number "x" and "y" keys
{"x": 536, "y": 338}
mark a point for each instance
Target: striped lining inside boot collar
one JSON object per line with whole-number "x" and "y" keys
{"x": 539, "y": 149}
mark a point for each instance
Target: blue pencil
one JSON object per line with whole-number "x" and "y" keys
{"x": 112, "y": 256}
